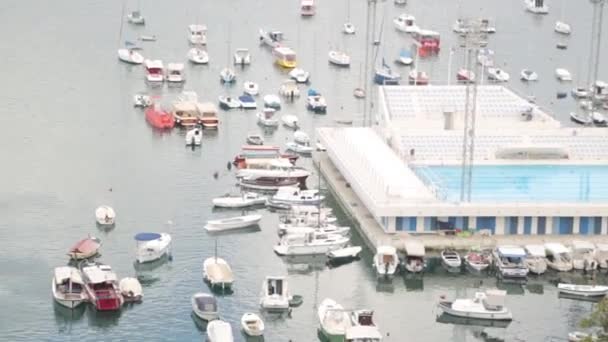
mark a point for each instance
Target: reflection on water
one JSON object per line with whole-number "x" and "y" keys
{"x": 151, "y": 272}
{"x": 449, "y": 319}
{"x": 385, "y": 285}
{"x": 536, "y": 288}
{"x": 512, "y": 288}
{"x": 102, "y": 319}
{"x": 304, "y": 264}
{"x": 64, "y": 317}
{"x": 413, "y": 282}
{"x": 200, "y": 324}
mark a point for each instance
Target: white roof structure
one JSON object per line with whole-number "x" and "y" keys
{"x": 511, "y": 251}
{"x": 64, "y": 273}
{"x": 536, "y": 250}
{"x": 99, "y": 274}
{"x": 363, "y": 333}
{"x": 388, "y": 250}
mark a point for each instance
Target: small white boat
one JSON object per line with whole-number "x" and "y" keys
{"x": 272, "y": 101}
{"x": 562, "y": 27}
{"x": 242, "y": 57}
{"x": 580, "y": 93}
{"x": 301, "y": 137}
{"x": 359, "y": 93}
{"x": 536, "y": 258}
{"x": 414, "y": 256}
{"x": 345, "y": 253}
{"x": 601, "y": 255}
{"x": 198, "y": 56}
{"x": 204, "y": 306}
{"x": 599, "y": 119}
{"x": 197, "y": 34}
{"x": 289, "y": 229}
{"x": 266, "y": 118}
{"x": 155, "y": 70}
{"x": 105, "y": 215}
{"x": 251, "y": 88}
{"x": 386, "y": 261}
{"x": 300, "y": 75}
{"x": 141, "y": 100}
{"x": 583, "y": 255}
{"x": 406, "y": 23}
{"x": 418, "y": 77}
{"x": 131, "y": 289}
{"x": 85, "y": 248}
{"x": 451, "y": 259}
{"x": 252, "y": 324}
{"x": 175, "y": 73}
{"x": 536, "y": 6}
{"x": 68, "y": 287}
{"x": 247, "y": 199}
{"x": 255, "y": 139}
{"x": 316, "y": 102}
{"x": 218, "y": 273}
{"x": 275, "y": 294}
{"x": 348, "y": 28}
{"x": 152, "y": 246}
{"x": 272, "y": 38}
{"x": 363, "y": 327}
{"x": 559, "y": 257}
{"x": 227, "y": 75}
{"x": 487, "y": 305}
{"x": 582, "y": 119}
{"x": 405, "y": 57}
{"x": 339, "y": 58}
{"x": 465, "y": 76}
{"x": 528, "y": 75}
{"x": 477, "y": 261}
{"x": 579, "y": 336}
{"x": 498, "y": 75}
{"x": 289, "y": 89}
{"x": 310, "y": 244}
{"x": 136, "y": 18}
{"x": 583, "y": 290}
{"x": 563, "y": 75}
{"x": 290, "y": 121}
{"x": 400, "y": 2}
{"x": 299, "y": 148}
{"x": 147, "y": 38}
{"x": 248, "y": 102}
{"x": 130, "y": 56}
{"x": 194, "y": 137}
{"x": 228, "y": 102}
{"x": 232, "y": 223}
{"x": 334, "y": 320}
{"x": 219, "y": 331}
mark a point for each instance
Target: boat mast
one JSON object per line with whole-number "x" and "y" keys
{"x": 122, "y": 22}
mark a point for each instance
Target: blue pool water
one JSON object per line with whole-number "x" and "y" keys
{"x": 523, "y": 183}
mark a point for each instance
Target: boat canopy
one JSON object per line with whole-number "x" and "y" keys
{"x": 206, "y": 303}
{"x": 99, "y": 274}
{"x": 536, "y": 250}
{"x": 582, "y": 245}
{"x": 414, "y": 248}
{"x": 147, "y": 236}
{"x": 386, "y": 250}
{"x": 556, "y": 248}
{"x": 511, "y": 251}
{"x": 363, "y": 333}
{"x": 64, "y": 273}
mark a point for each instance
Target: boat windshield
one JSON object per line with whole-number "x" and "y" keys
{"x": 206, "y": 304}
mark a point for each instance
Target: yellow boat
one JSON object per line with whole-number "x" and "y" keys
{"x": 285, "y": 57}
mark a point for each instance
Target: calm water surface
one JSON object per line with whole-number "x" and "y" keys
{"x": 69, "y": 133}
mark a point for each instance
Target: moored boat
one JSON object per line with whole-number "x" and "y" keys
{"x": 232, "y": 223}
{"x": 155, "y": 71}
{"x": 266, "y": 118}
{"x": 583, "y": 290}
{"x": 345, "y": 253}
{"x": 251, "y": 88}
{"x": 105, "y": 215}
{"x": 450, "y": 259}
{"x": 194, "y": 137}
{"x": 152, "y": 246}
{"x": 294, "y": 195}
{"x": 477, "y": 261}
{"x": 275, "y": 294}
{"x": 198, "y": 56}
{"x": 131, "y": 290}
{"x": 158, "y": 118}
{"x": 310, "y": 243}
{"x": 252, "y": 324}
{"x": 583, "y": 255}
{"x": 245, "y": 200}
{"x": 510, "y": 262}
{"x": 386, "y": 261}
{"x": 582, "y": 119}
{"x": 219, "y": 331}
{"x": 536, "y": 258}
{"x": 487, "y": 305}
{"x": 334, "y": 320}
{"x": 414, "y": 256}
{"x": 559, "y": 257}
{"x": 218, "y": 273}
{"x": 208, "y": 113}
{"x": 228, "y": 102}
{"x": 197, "y": 34}
{"x": 204, "y": 306}
{"x": 271, "y": 38}
{"x": 101, "y": 285}
{"x": 68, "y": 287}
{"x": 264, "y": 183}
{"x": 85, "y": 248}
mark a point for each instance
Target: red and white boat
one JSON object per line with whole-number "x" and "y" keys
{"x": 101, "y": 285}
{"x": 261, "y": 152}
{"x": 158, "y": 118}
{"x": 465, "y": 76}
{"x": 208, "y": 115}
{"x": 85, "y": 248}
{"x": 428, "y": 42}
{"x": 307, "y": 8}
{"x": 155, "y": 71}
{"x": 418, "y": 77}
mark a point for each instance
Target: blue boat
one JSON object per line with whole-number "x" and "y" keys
{"x": 248, "y": 101}
{"x": 405, "y": 57}
{"x": 385, "y": 75}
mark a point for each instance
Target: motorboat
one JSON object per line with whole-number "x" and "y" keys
{"x": 299, "y": 148}
{"x": 348, "y": 28}
{"x": 198, "y": 56}
{"x": 580, "y": 93}
{"x": 232, "y": 223}
{"x": 194, "y": 137}
{"x": 497, "y": 75}
{"x": 175, "y": 73}
{"x": 406, "y": 23}
{"x": 583, "y": 255}
{"x": 386, "y": 261}
{"x": 414, "y": 256}
{"x": 339, "y": 58}
{"x": 290, "y": 121}
{"x": 152, "y": 246}
{"x": 400, "y": 2}
{"x": 460, "y": 27}
{"x": 310, "y": 243}
{"x": 136, "y": 18}
{"x": 285, "y": 57}
{"x": 255, "y": 139}
{"x": 536, "y": 6}
{"x": 155, "y": 70}
{"x": 450, "y": 259}
{"x": 247, "y": 199}
{"x": 141, "y": 100}
{"x": 487, "y": 305}
{"x": 583, "y": 290}
{"x": 510, "y": 262}
{"x": 405, "y": 57}
{"x": 485, "y": 57}
{"x": 129, "y": 55}
{"x": 242, "y": 57}
{"x": 528, "y": 75}
{"x": 334, "y": 320}
{"x": 310, "y": 212}
{"x": 599, "y": 91}
{"x": 363, "y": 328}
{"x": 266, "y": 118}
{"x": 316, "y": 102}
{"x": 219, "y": 331}
{"x": 307, "y": 8}
{"x": 417, "y": 77}
{"x": 85, "y": 248}
{"x": 251, "y": 88}
{"x": 271, "y": 38}
{"x": 559, "y": 257}
{"x": 563, "y": 75}
{"x": 227, "y": 75}
{"x": 158, "y": 118}
{"x": 582, "y": 119}
{"x": 185, "y": 111}
{"x": 384, "y": 75}
{"x": 131, "y": 290}
{"x": 599, "y": 119}
{"x": 294, "y": 229}
{"x": 346, "y": 253}
{"x": 289, "y": 89}
{"x": 320, "y": 147}
{"x": 252, "y": 324}
{"x": 204, "y": 306}
{"x": 300, "y": 75}
{"x": 218, "y": 273}
{"x": 105, "y": 215}
{"x": 101, "y": 285}
{"x": 248, "y": 102}
{"x": 272, "y": 101}
{"x": 197, "y": 34}
{"x": 465, "y": 76}
{"x": 228, "y": 102}
{"x": 208, "y": 114}
{"x": 561, "y": 45}
{"x": 294, "y": 195}
{"x": 477, "y": 261}
{"x": 486, "y": 27}
{"x": 68, "y": 287}
{"x": 275, "y": 294}
{"x": 301, "y": 137}
{"x": 562, "y": 27}
{"x": 601, "y": 255}
{"x": 536, "y": 260}
{"x": 266, "y": 183}
{"x": 359, "y": 93}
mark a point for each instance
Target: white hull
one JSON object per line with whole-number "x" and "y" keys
{"x": 154, "y": 249}
{"x": 310, "y": 249}
{"x": 217, "y": 272}
{"x": 105, "y": 215}
{"x": 198, "y": 56}
{"x": 238, "y": 202}
{"x": 583, "y": 290}
{"x": 151, "y": 256}
{"x": 290, "y": 121}
{"x": 233, "y": 223}
{"x": 496, "y": 316}
{"x": 345, "y": 253}
{"x": 131, "y": 289}
{"x": 251, "y": 88}
{"x": 208, "y": 315}
{"x": 252, "y": 324}
{"x": 130, "y": 56}
{"x": 194, "y": 139}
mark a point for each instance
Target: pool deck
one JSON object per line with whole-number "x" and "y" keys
{"x": 373, "y": 234}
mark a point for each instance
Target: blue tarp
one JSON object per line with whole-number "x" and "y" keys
{"x": 147, "y": 236}
{"x": 312, "y": 92}
{"x": 246, "y": 98}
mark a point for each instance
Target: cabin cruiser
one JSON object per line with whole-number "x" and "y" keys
{"x": 198, "y": 56}
{"x": 300, "y": 75}
{"x": 155, "y": 71}
{"x": 204, "y": 306}
{"x": 158, "y": 118}
{"x": 175, "y": 73}
{"x": 285, "y": 57}
{"x": 272, "y": 38}
{"x": 249, "y": 152}
{"x": 68, "y": 287}
{"x": 310, "y": 243}
{"x": 308, "y": 214}
{"x": 131, "y": 290}
{"x": 316, "y": 102}
{"x": 536, "y": 6}
{"x": 266, "y": 118}
{"x": 339, "y": 58}
{"x": 228, "y": 102}
{"x": 152, "y": 246}
{"x": 186, "y": 113}
{"x": 275, "y": 294}
{"x": 197, "y": 34}
{"x": 486, "y": 305}
{"x": 218, "y": 273}
{"x": 414, "y": 256}
{"x": 536, "y": 258}
{"x": 289, "y": 89}
{"x": 386, "y": 261}
{"x": 194, "y": 137}
{"x": 276, "y": 167}
{"x": 251, "y": 88}
{"x": 307, "y": 8}
{"x": 601, "y": 255}
{"x": 85, "y": 248}
{"x": 293, "y": 195}
{"x": 583, "y": 255}
{"x": 510, "y": 262}
{"x": 334, "y": 320}
{"x": 105, "y": 215}
{"x": 101, "y": 285}
{"x": 406, "y": 23}
{"x": 363, "y": 328}
{"x": 558, "y": 257}
{"x": 242, "y": 57}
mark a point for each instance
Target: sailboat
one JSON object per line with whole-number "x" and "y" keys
{"x": 135, "y": 17}
{"x": 217, "y": 272}
{"x": 128, "y": 54}
{"x": 384, "y": 75}
{"x": 359, "y": 92}
{"x": 561, "y": 26}
{"x": 348, "y": 28}
{"x": 227, "y": 75}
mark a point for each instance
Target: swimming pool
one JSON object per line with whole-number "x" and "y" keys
{"x": 522, "y": 183}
